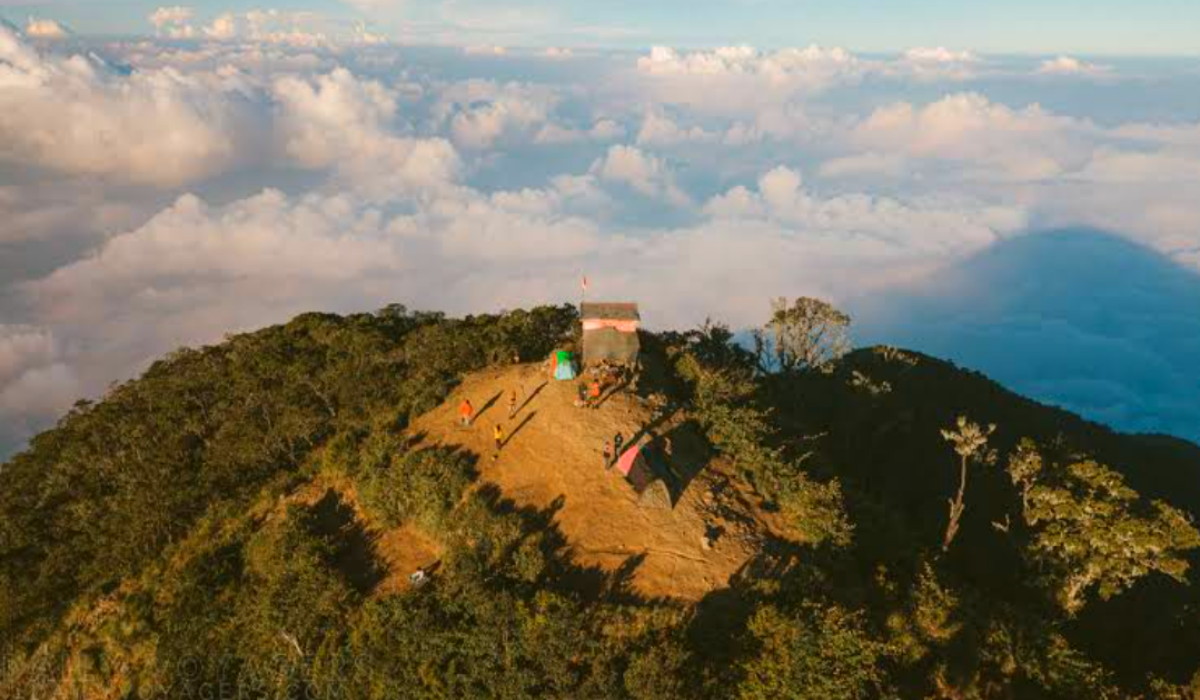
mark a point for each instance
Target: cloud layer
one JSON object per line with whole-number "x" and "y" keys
{"x": 247, "y": 167}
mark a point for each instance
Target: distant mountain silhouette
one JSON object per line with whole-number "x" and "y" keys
{"x": 1078, "y": 318}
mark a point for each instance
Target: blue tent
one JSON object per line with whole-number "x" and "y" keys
{"x": 564, "y": 366}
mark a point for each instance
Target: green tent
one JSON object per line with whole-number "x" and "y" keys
{"x": 564, "y": 365}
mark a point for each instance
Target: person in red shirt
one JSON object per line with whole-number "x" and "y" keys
{"x": 594, "y": 394}
{"x": 466, "y": 412}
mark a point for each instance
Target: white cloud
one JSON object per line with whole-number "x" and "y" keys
{"x": 222, "y": 28}
{"x": 603, "y": 131}
{"x": 44, "y": 29}
{"x": 35, "y": 387}
{"x": 163, "y": 17}
{"x": 62, "y": 210}
{"x": 660, "y": 130}
{"x": 643, "y": 172}
{"x": 1121, "y": 166}
{"x": 742, "y": 75}
{"x": 173, "y": 22}
{"x": 338, "y": 121}
{"x": 865, "y": 164}
{"x": 481, "y": 113}
{"x": 485, "y": 50}
{"x": 743, "y": 79}
{"x": 271, "y": 26}
{"x": 1013, "y": 144}
{"x": 937, "y": 63}
{"x": 1066, "y": 65}
{"x": 918, "y": 228}
{"x": 73, "y": 114}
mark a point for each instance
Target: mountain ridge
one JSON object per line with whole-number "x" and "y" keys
{"x": 245, "y": 514}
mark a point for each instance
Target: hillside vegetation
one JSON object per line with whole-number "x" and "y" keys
{"x": 241, "y": 521}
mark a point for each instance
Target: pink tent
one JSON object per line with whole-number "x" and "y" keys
{"x": 633, "y": 466}
{"x": 627, "y": 458}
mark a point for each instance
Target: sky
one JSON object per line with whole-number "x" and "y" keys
{"x": 1101, "y": 27}
{"x": 1013, "y": 188}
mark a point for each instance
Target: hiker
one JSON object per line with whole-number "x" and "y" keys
{"x": 581, "y": 393}
{"x": 618, "y": 440}
{"x": 466, "y": 412}
{"x": 608, "y": 455}
{"x": 512, "y": 404}
{"x": 498, "y": 436}
{"x": 594, "y": 394}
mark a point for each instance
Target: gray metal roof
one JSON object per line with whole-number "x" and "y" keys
{"x": 616, "y": 310}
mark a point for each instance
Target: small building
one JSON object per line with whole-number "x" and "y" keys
{"x": 610, "y": 332}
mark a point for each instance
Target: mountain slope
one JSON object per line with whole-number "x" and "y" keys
{"x": 247, "y": 515}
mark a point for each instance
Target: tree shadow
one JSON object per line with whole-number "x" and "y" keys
{"x": 562, "y": 573}
{"x": 620, "y": 581}
{"x": 533, "y": 394}
{"x": 353, "y": 548}
{"x": 685, "y": 454}
{"x": 653, "y": 424}
{"x": 483, "y": 409}
{"x": 414, "y": 439}
{"x": 524, "y": 421}
{"x": 615, "y": 389}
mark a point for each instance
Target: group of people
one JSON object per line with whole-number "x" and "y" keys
{"x": 466, "y": 415}
{"x": 612, "y": 450}
{"x": 592, "y": 389}
{"x": 589, "y": 394}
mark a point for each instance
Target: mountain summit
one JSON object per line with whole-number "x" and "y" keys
{"x": 401, "y": 504}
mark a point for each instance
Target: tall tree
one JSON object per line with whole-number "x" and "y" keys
{"x": 970, "y": 444}
{"x": 809, "y": 334}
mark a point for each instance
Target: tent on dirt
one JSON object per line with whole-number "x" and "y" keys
{"x": 564, "y": 365}
{"x": 634, "y": 464}
{"x": 610, "y": 332}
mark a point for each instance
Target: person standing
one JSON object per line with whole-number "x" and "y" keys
{"x": 512, "y": 404}
{"x": 618, "y": 440}
{"x": 498, "y": 436}
{"x": 594, "y": 394}
{"x": 608, "y": 454}
{"x": 466, "y": 412}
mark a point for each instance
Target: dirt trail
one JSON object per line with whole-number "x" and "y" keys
{"x": 554, "y": 450}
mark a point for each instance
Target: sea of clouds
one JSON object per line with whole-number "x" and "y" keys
{"x": 229, "y": 174}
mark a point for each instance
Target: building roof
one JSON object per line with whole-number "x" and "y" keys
{"x": 618, "y": 311}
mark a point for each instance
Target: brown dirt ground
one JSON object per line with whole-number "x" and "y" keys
{"x": 554, "y": 450}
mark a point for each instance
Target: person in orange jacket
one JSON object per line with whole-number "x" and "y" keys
{"x": 466, "y": 412}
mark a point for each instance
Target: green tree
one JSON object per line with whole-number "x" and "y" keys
{"x": 822, "y": 652}
{"x": 1091, "y": 531}
{"x": 809, "y": 334}
{"x": 970, "y": 444}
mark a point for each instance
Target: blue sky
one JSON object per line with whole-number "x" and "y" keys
{"x": 1096, "y": 27}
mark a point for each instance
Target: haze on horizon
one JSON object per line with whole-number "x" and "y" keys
{"x": 171, "y": 174}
